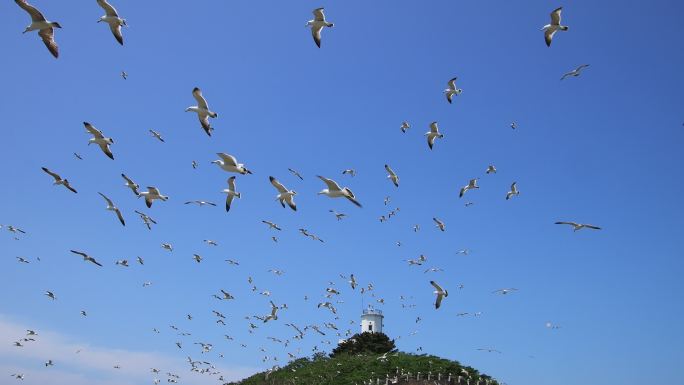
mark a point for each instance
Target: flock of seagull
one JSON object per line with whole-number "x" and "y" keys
{"x": 284, "y": 196}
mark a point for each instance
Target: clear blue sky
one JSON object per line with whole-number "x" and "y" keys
{"x": 604, "y": 148}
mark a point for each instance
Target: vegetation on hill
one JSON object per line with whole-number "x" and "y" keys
{"x": 365, "y": 343}
{"x": 345, "y": 367}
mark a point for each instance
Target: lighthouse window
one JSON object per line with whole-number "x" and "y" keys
{"x": 370, "y": 327}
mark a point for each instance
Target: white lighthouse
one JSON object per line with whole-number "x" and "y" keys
{"x": 371, "y": 321}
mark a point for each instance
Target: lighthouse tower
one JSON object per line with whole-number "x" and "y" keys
{"x": 371, "y": 320}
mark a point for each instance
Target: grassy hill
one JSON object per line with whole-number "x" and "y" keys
{"x": 349, "y": 369}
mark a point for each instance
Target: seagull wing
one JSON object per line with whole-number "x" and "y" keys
{"x": 290, "y": 202}
{"x": 105, "y": 148}
{"x": 548, "y": 36}
{"x": 556, "y": 16}
{"x": 204, "y": 121}
{"x": 201, "y": 102}
{"x": 48, "y": 36}
{"x": 332, "y": 185}
{"x": 565, "y": 75}
{"x": 118, "y": 214}
{"x": 35, "y": 14}
{"x": 68, "y": 186}
{"x": 279, "y": 186}
{"x": 514, "y": 187}
{"x": 227, "y": 159}
{"x": 568, "y": 223}
{"x": 581, "y": 67}
{"x": 94, "y": 131}
{"x": 116, "y": 30}
{"x": 231, "y": 183}
{"x": 592, "y": 227}
{"x": 109, "y": 201}
{"x": 318, "y": 14}
{"x": 84, "y": 255}
{"x": 434, "y": 128}
{"x": 52, "y": 174}
{"x": 316, "y": 33}
{"x": 109, "y": 10}
{"x": 452, "y": 83}
{"x": 132, "y": 185}
{"x": 390, "y": 171}
{"x": 352, "y": 199}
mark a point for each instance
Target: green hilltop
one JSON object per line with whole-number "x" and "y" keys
{"x": 359, "y": 361}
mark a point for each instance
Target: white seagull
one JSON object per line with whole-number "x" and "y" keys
{"x": 550, "y": 29}
{"x": 451, "y": 89}
{"x": 202, "y": 110}
{"x": 230, "y": 192}
{"x": 295, "y": 173}
{"x": 44, "y": 27}
{"x": 317, "y": 25}
{"x": 151, "y": 194}
{"x": 579, "y": 226}
{"x": 272, "y": 225}
{"x": 439, "y": 224}
{"x": 472, "y": 184}
{"x": 112, "y": 207}
{"x": 131, "y": 185}
{"x": 441, "y": 293}
{"x": 392, "y": 175}
{"x": 514, "y": 191}
{"x": 433, "y": 134}
{"x": 230, "y": 164}
{"x": 112, "y": 18}
{"x": 147, "y": 220}
{"x": 274, "y": 313}
{"x": 99, "y": 139}
{"x": 576, "y": 72}
{"x": 405, "y": 126}
{"x": 59, "y": 180}
{"x": 491, "y": 169}
{"x": 157, "y": 135}
{"x": 50, "y": 295}
{"x": 284, "y": 195}
{"x": 86, "y": 257}
{"x": 200, "y": 203}
{"x": 334, "y": 191}
{"x": 504, "y": 291}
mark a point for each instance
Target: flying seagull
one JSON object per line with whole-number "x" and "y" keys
{"x": 59, "y": 180}
{"x": 339, "y": 216}
{"x": 550, "y": 29}
{"x": 202, "y": 110}
{"x": 504, "y": 291}
{"x": 317, "y": 25}
{"x": 86, "y": 257}
{"x": 392, "y": 175}
{"x": 274, "y": 313}
{"x": 124, "y": 75}
{"x": 157, "y": 135}
{"x": 200, "y": 203}
{"x": 284, "y": 195}
{"x": 405, "y": 126}
{"x": 272, "y": 225}
{"x": 433, "y": 134}
{"x": 439, "y": 224}
{"x": 131, "y": 185}
{"x": 99, "y": 139}
{"x": 334, "y": 191}
{"x": 50, "y": 295}
{"x": 44, "y": 27}
{"x": 472, "y": 184}
{"x": 514, "y": 191}
{"x": 441, "y": 293}
{"x": 295, "y": 173}
{"x": 451, "y": 89}
{"x": 146, "y": 219}
{"x": 230, "y": 164}
{"x": 350, "y": 171}
{"x": 79, "y": 157}
{"x": 579, "y": 226}
{"x": 112, "y": 18}
{"x": 112, "y": 207}
{"x": 514, "y": 125}
{"x": 491, "y": 169}
{"x": 151, "y": 194}
{"x": 576, "y": 72}
{"x": 230, "y": 192}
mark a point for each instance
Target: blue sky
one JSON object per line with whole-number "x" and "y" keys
{"x": 603, "y": 148}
